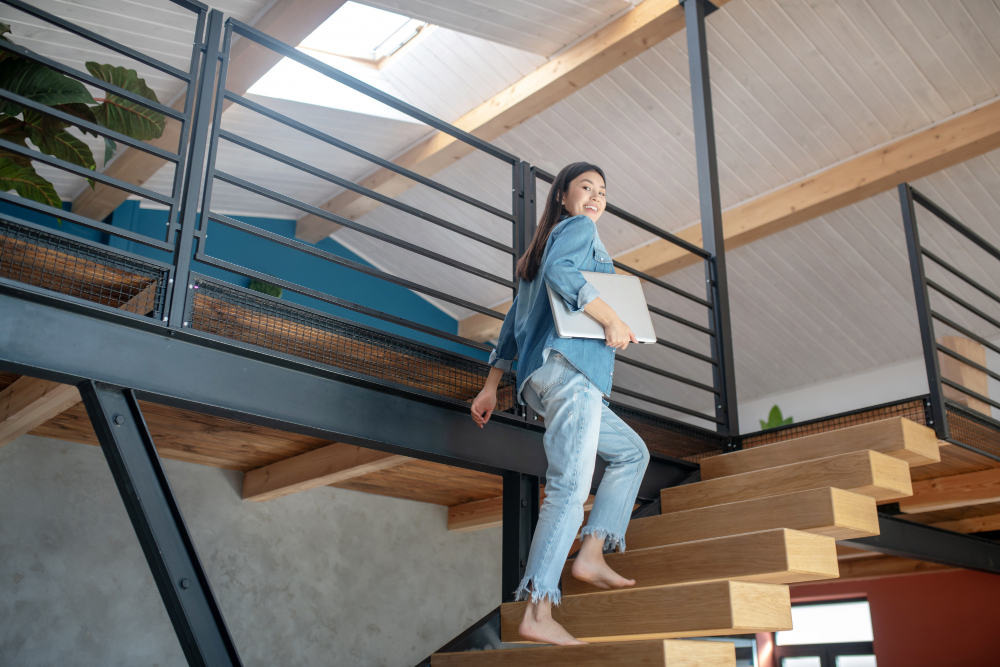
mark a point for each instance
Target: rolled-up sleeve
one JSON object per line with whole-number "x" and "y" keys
{"x": 568, "y": 253}
{"x": 505, "y": 352}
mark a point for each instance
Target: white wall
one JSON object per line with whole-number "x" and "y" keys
{"x": 324, "y": 577}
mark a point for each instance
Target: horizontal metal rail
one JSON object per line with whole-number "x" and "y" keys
{"x": 80, "y": 220}
{"x": 335, "y": 301}
{"x": 945, "y": 265}
{"x": 91, "y": 127}
{"x": 370, "y": 91}
{"x": 659, "y": 283}
{"x": 310, "y": 249}
{"x": 192, "y": 5}
{"x": 90, "y": 80}
{"x": 666, "y": 374}
{"x": 681, "y": 320}
{"x": 94, "y": 37}
{"x": 955, "y": 224}
{"x": 350, "y": 224}
{"x": 962, "y": 302}
{"x": 964, "y": 331}
{"x": 361, "y": 190}
{"x": 665, "y": 404}
{"x": 86, "y": 173}
{"x": 969, "y": 392}
{"x": 365, "y": 155}
{"x": 684, "y": 350}
{"x": 965, "y": 360}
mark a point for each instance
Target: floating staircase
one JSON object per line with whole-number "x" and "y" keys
{"x": 719, "y": 558}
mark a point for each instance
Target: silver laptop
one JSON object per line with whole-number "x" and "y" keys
{"x": 624, "y": 295}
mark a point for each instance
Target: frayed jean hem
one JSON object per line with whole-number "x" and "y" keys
{"x": 611, "y": 540}
{"x": 526, "y": 590}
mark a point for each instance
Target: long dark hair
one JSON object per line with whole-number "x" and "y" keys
{"x": 528, "y": 265}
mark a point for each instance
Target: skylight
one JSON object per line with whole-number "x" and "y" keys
{"x": 356, "y": 39}
{"x": 365, "y": 34}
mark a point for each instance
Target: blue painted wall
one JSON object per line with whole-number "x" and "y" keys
{"x": 246, "y": 250}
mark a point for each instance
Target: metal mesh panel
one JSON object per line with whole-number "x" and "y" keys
{"x": 973, "y": 429}
{"x": 914, "y": 410}
{"x": 249, "y": 317}
{"x": 77, "y": 269}
{"x": 671, "y": 438}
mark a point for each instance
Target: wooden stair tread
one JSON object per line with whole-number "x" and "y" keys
{"x": 869, "y": 473}
{"x": 836, "y": 513}
{"x": 697, "y": 610}
{"x": 898, "y": 437}
{"x": 648, "y": 653}
{"x": 778, "y": 556}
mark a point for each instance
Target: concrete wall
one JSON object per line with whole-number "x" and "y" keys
{"x": 326, "y": 577}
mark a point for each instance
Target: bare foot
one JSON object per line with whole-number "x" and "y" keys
{"x": 539, "y": 626}
{"x": 589, "y": 566}
{"x": 599, "y": 574}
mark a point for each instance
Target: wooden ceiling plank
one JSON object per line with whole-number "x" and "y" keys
{"x": 640, "y": 29}
{"x": 974, "y": 488}
{"x": 978, "y": 524}
{"x": 289, "y": 21}
{"x": 337, "y": 462}
{"x": 488, "y": 513}
{"x": 941, "y": 145}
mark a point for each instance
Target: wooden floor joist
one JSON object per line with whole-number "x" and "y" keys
{"x": 877, "y": 567}
{"x": 777, "y": 556}
{"x": 29, "y": 403}
{"x": 977, "y": 524}
{"x": 825, "y": 511}
{"x": 487, "y": 513}
{"x": 941, "y": 493}
{"x": 334, "y": 463}
{"x": 899, "y": 438}
{"x": 649, "y": 653}
{"x": 868, "y": 473}
{"x": 697, "y": 610}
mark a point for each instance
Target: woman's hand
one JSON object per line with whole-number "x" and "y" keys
{"x": 618, "y": 334}
{"x": 483, "y": 404}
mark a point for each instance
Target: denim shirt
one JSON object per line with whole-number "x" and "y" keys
{"x": 529, "y": 330}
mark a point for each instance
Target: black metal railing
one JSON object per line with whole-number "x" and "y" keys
{"x": 177, "y": 156}
{"x": 956, "y": 302}
{"x": 670, "y": 370}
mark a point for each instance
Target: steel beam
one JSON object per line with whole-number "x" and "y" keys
{"x": 158, "y": 524}
{"x": 711, "y": 213}
{"x": 898, "y": 537}
{"x": 45, "y": 335}
{"x": 520, "y": 516}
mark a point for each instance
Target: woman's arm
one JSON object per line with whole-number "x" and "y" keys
{"x": 483, "y": 404}
{"x": 501, "y": 359}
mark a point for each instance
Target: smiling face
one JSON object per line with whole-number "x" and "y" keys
{"x": 585, "y": 196}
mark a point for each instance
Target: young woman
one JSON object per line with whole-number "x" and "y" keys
{"x": 564, "y": 380}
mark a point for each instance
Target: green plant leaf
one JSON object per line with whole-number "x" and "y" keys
{"x": 774, "y": 419}
{"x": 25, "y": 182}
{"x": 121, "y": 115}
{"x": 51, "y": 137}
{"x": 40, "y": 84}
{"x": 81, "y": 111}
{"x": 12, "y": 130}
{"x": 110, "y": 148}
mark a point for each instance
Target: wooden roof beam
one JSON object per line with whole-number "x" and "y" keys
{"x": 943, "y": 144}
{"x": 290, "y": 21}
{"x": 337, "y": 462}
{"x": 645, "y": 26}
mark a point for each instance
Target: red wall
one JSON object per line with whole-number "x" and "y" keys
{"x": 946, "y": 619}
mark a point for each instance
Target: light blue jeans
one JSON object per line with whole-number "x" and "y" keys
{"x": 578, "y": 427}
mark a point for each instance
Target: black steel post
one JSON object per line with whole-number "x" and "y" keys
{"x": 939, "y": 416}
{"x": 520, "y": 514}
{"x": 201, "y": 120}
{"x": 711, "y": 214}
{"x": 158, "y": 524}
